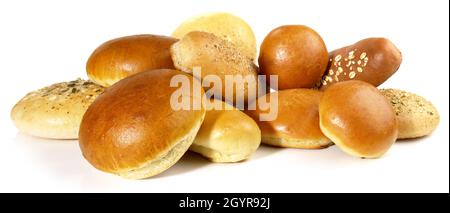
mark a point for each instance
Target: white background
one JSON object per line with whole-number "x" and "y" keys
{"x": 43, "y": 42}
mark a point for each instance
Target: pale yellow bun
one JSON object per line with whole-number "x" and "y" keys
{"x": 226, "y": 135}
{"x": 55, "y": 111}
{"x": 125, "y": 56}
{"x": 224, "y": 25}
{"x": 297, "y": 121}
{"x": 358, "y": 119}
{"x": 217, "y": 57}
{"x": 416, "y": 116}
{"x": 131, "y": 129}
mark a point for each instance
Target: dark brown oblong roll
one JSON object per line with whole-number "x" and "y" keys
{"x": 125, "y": 56}
{"x": 133, "y": 131}
{"x": 372, "y": 60}
{"x": 358, "y": 119}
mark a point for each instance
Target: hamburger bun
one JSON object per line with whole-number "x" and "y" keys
{"x": 133, "y": 131}
{"x": 297, "y": 122}
{"x": 225, "y": 26}
{"x": 358, "y": 119}
{"x": 55, "y": 111}
{"x": 219, "y": 58}
{"x": 296, "y": 53}
{"x": 416, "y": 116}
{"x": 125, "y": 56}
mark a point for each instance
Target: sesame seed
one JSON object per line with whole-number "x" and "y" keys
{"x": 363, "y": 55}
{"x": 352, "y": 75}
{"x": 331, "y": 72}
{"x": 351, "y": 53}
{"x": 359, "y": 69}
{"x": 338, "y": 58}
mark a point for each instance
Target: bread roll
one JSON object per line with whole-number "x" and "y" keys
{"x": 227, "y": 135}
{"x": 358, "y": 119}
{"x": 297, "y": 121}
{"x": 217, "y": 57}
{"x": 296, "y": 53}
{"x": 372, "y": 60}
{"x": 224, "y": 25}
{"x": 132, "y": 130}
{"x": 416, "y": 116}
{"x": 55, "y": 111}
{"x": 125, "y": 56}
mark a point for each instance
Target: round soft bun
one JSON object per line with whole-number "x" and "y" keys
{"x": 125, "y": 56}
{"x": 217, "y": 58}
{"x": 297, "y": 120}
{"x": 416, "y": 116}
{"x": 296, "y": 53}
{"x": 227, "y": 134}
{"x": 224, "y": 25}
{"x": 358, "y": 119}
{"x": 132, "y": 130}
{"x": 55, "y": 111}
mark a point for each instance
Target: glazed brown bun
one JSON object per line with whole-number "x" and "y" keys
{"x": 218, "y": 57}
{"x": 55, "y": 111}
{"x": 125, "y": 56}
{"x": 358, "y": 119}
{"x": 372, "y": 60}
{"x": 416, "y": 116}
{"x": 297, "y": 122}
{"x": 296, "y": 53}
{"x": 226, "y": 135}
{"x": 131, "y": 129}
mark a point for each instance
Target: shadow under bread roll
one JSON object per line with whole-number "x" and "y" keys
{"x": 133, "y": 130}
{"x": 227, "y": 134}
{"x": 297, "y": 122}
{"x": 125, "y": 56}
{"x": 55, "y": 111}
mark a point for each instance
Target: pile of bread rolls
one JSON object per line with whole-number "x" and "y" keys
{"x": 126, "y": 125}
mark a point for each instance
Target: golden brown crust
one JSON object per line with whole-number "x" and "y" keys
{"x": 227, "y": 135}
{"x": 55, "y": 111}
{"x": 416, "y": 116}
{"x": 296, "y": 53}
{"x": 372, "y": 60}
{"x": 125, "y": 56}
{"x": 133, "y": 124}
{"x": 297, "y": 123}
{"x": 216, "y": 57}
{"x": 224, "y": 25}
{"x": 358, "y": 118}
